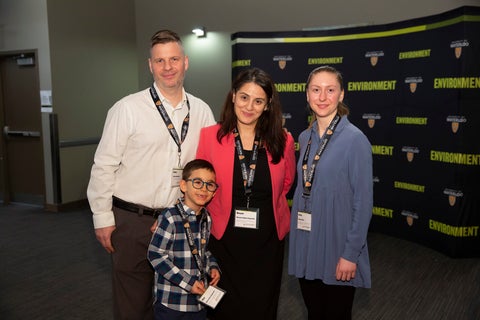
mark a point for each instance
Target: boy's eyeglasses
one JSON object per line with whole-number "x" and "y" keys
{"x": 198, "y": 183}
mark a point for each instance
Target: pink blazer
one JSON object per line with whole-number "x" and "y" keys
{"x": 222, "y": 158}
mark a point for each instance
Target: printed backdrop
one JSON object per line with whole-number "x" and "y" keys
{"x": 413, "y": 88}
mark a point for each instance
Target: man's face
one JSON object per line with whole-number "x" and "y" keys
{"x": 168, "y": 64}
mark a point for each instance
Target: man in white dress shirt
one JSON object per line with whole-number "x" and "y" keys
{"x": 147, "y": 138}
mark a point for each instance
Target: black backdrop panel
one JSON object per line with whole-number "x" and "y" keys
{"x": 413, "y": 88}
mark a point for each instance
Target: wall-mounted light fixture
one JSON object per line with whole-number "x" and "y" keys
{"x": 200, "y": 32}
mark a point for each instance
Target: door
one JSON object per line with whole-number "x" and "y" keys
{"x": 21, "y": 152}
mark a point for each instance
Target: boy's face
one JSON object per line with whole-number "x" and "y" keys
{"x": 197, "y": 198}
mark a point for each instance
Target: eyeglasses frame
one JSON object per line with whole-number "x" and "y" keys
{"x": 204, "y": 183}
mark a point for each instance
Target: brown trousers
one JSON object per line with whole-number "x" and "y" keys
{"x": 133, "y": 276}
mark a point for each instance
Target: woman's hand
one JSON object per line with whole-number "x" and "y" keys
{"x": 345, "y": 270}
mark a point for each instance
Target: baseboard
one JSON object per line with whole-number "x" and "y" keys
{"x": 62, "y": 207}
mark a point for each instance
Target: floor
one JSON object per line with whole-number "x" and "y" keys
{"x": 51, "y": 267}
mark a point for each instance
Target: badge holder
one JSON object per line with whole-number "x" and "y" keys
{"x": 304, "y": 220}
{"x": 246, "y": 218}
{"x": 176, "y": 177}
{"x": 212, "y": 296}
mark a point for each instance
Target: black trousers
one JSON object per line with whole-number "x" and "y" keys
{"x": 327, "y": 302}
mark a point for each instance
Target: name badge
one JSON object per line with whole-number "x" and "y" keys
{"x": 212, "y": 296}
{"x": 246, "y": 218}
{"x": 176, "y": 177}
{"x": 304, "y": 220}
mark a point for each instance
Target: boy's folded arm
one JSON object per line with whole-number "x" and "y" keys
{"x": 177, "y": 276}
{"x": 212, "y": 263}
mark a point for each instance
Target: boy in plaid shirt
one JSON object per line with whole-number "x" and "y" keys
{"x": 183, "y": 266}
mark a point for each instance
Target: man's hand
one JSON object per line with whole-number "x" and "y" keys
{"x": 104, "y": 236}
{"x": 154, "y": 226}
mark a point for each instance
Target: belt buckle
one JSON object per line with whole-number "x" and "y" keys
{"x": 156, "y": 213}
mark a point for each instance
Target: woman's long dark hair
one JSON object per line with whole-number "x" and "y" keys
{"x": 269, "y": 126}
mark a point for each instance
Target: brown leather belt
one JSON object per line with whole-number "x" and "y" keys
{"x": 135, "y": 208}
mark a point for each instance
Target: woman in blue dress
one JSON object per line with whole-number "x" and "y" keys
{"x": 332, "y": 204}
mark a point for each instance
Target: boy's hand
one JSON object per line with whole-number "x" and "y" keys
{"x": 215, "y": 275}
{"x": 198, "y": 288}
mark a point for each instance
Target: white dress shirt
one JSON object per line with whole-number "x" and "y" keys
{"x": 136, "y": 154}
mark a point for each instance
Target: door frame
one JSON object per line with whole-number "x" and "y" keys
{"x": 5, "y": 182}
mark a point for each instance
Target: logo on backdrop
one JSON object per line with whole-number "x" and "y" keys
{"x": 452, "y": 195}
{"x": 382, "y": 212}
{"x": 411, "y": 151}
{"x": 374, "y": 56}
{"x": 325, "y": 60}
{"x": 457, "y": 45}
{"x": 371, "y": 117}
{"x": 413, "y": 83}
{"x": 455, "y": 122}
{"x": 282, "y": 61}
{"x": 409, "y": 216}
{"x": 242, "y": 63}
{"x": 286, "y": 116}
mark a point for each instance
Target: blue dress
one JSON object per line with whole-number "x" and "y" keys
{"x": 341, "y": 204}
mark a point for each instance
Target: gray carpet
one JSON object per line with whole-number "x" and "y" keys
{"x": 51, "y": 267}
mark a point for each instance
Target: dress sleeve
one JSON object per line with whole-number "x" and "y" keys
{"x": 361, "y": 182}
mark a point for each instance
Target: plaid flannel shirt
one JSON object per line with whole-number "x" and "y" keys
{"x": 175, "y": 268}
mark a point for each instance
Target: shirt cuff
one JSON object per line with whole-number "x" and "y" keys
{"x": 104, "y": 219}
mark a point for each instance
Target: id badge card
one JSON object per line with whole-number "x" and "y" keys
{"x": 212, "y": 296}
{"x": 304, "y": 220}
{"x": 176, "y": 177}
{"x": 246, "y": 218}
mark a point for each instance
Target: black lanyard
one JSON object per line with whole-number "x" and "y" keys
{"x": 309, "y": 174}
{"x": 248, "y": 172}
{"x": 168, "y": 122}
{"x": 198, "y": 256}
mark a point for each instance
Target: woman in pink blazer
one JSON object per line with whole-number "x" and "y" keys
{"x": 254, "y": 161}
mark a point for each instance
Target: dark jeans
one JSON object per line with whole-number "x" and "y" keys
{"x": 164, "y": 313}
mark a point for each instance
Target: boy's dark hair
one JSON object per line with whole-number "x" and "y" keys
{"x": 195, "y": 165}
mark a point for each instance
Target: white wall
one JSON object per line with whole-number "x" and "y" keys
{"x": 23, "y": 26}
{"x": 94, "y": 64}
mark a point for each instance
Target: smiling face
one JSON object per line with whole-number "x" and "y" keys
{"x": 323, "y": 95}
{"x": 194, "y": 198}
{"x": 168, "y": 65}
{"x": 249, "y": 101}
